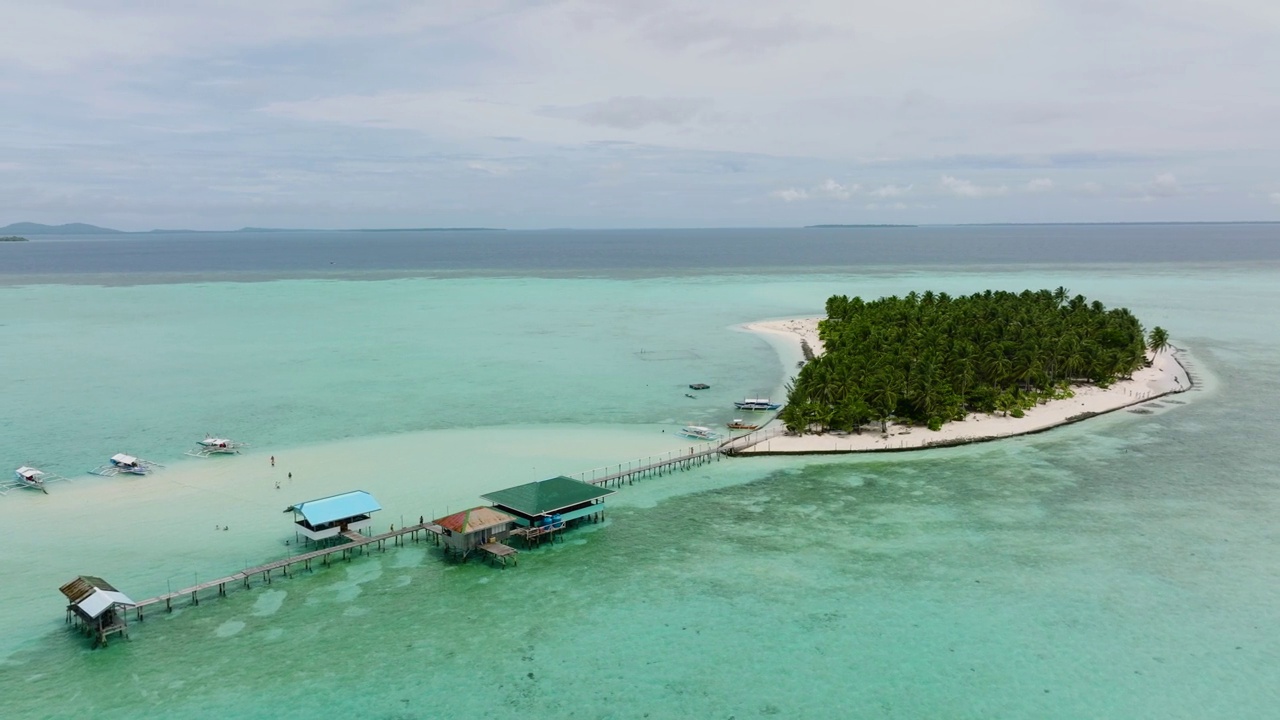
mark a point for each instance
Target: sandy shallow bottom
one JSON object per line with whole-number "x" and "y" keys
{"x": 1167, "y": 375}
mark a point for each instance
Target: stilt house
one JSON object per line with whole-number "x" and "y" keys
{"x": 463, "y": 532}
{"x": 97, "y": 607}
{"x": 334, "y": 515}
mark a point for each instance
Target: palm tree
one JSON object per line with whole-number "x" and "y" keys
{"x": 1158, "y": 340}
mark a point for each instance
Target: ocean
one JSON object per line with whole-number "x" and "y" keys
{"x": 1118, "y": 568}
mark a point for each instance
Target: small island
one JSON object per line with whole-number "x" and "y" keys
{"x": 928, "y": 369}
{"x": 12, "y": 238}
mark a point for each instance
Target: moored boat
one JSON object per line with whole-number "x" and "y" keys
{"x": 699, "y": 386}
{"x": 698, "y": 432}
{"x": 128, "y": 464}
{"x": 216, "y": 446}
{"x": 740, "y": 424}
{"x": 756, "y": 404}
{"x": 31, "y": 477}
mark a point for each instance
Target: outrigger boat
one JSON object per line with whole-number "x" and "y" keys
{"x": 740, "y": 424}
{"x": 216, "y": 446}
{"x": 699, "y": 386}
{"x": 128, "y": 464}
{"x": 698, "y": 432}
{"x": 756, "y": 404}
{"x": 30, "y": 477}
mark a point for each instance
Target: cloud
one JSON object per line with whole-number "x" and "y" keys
{"x": 791, "y": 194}
{"x": 1089, "y": 189}
{"x": 634, "y": 112}
{"x": 1039, "y": 185}
{"x": 889, "y": 191}
{"x": 831, "y": 188}
{"x": 1164, "y": 185}
{"x": 828, "y": 188}
{"x": 967, "y": 189}
{"x": 1275, "y": 198}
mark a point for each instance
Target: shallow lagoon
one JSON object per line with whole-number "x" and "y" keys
{"x": 1118, "y": 568}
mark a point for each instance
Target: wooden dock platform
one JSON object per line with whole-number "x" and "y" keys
{"x": 498, "y": 551}
{"x": 246, "y": 576}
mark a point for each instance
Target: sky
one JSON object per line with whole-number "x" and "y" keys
{"x": 137, "y": 114}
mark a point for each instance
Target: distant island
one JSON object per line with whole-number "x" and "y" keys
{"x": 12, "y": 238}
{"x": 30, "y": 228}
{"x": 824, "y": 227}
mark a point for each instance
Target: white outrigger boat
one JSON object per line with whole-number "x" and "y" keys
{"x": 216, "y": 446}
{"x": 756, "y": 404}
{"x": 30, "y": 477}
{"x": 698, "y": 432}
{"x": 128, "y": 464}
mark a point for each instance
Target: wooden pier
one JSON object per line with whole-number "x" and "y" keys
{"x": 497, "y": 552}
{"x": 674, "y": 461}
{"x": 246, "y": 576}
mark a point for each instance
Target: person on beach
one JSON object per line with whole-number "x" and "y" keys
{"x": 273, "y": 461}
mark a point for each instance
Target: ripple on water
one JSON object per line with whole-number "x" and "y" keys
{"x": 229, "y": 628}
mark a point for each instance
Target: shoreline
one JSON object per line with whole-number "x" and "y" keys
{"x": 1166, "y": 376}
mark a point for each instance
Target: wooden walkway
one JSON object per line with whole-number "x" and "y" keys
{"x": 615, "y": 475}
{"x": 674, "y": 461}
{"x": 246, "y": 576}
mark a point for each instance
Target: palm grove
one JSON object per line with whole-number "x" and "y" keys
{"x": 930, "y": 358}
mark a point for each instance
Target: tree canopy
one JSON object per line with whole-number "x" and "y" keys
{"x": 929, "y": 358}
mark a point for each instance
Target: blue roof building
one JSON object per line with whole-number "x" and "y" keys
{"x": 334, "y": 515}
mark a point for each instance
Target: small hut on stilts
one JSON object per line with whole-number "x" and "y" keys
{"x": 97, "y": 608}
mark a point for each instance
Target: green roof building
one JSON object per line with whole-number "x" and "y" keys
{"x": 535, "y": 503}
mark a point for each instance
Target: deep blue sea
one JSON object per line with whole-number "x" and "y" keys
{"x": 555, "y": 253}
{"x": 1123, "y": 567}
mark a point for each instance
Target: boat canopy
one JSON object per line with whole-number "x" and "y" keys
{"x": 214, "y": 442}
{"x": 756, "y": 401}
{"x": 336, "y": 507}
{"x": 29, "y": 472}
{"x": 123, "y": 459}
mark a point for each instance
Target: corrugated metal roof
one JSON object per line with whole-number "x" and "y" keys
{"x": 547, "y": 496}
{"x": 83, "y": 586}
{"x": 336, "y": 507}
{"x": 100, "y": 600}
{"x": 477, "y": 518}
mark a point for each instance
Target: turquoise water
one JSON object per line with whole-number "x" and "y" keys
{"x": 1121, "y": 568}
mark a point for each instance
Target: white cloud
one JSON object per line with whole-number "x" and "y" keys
{"x": 831, "y": 188}
{"x": 888, "y": 191}
{"x": 968, "y": 189}
{"x": 791, "y": 194}
{"x": 1164, "y": 185}
{"x": 1275, "y": 198}
{"x": 498, "y": 104}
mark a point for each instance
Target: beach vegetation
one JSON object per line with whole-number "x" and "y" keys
{"x": 1158, "y": 340}
{"x": 928, "y": 358}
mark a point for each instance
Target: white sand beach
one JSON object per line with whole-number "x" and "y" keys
{"x": 1165, "y": 376}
